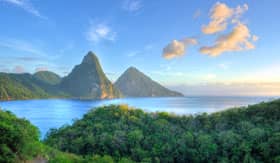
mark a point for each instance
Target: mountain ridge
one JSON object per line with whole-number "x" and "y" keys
{"x": 87, "y": 80}
{"x": 48, "y": 77}
{"x": 134, "y": 83}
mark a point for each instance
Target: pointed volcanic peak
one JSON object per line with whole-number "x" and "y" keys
{"x": 134, "y": 83}
{"x": 91, "y": 58}
{"x": 88, "y": 81}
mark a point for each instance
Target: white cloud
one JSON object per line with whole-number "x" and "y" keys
{"x": 100, "y": 32}
{"x": 132, "y": 5}
{"x": 177, "y": 48}
{"x": 220, "y": 14}
{"x": 237, "y": 40}
{"x": 27, "y": 6}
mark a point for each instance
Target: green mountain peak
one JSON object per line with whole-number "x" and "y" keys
{"x": 88, "y": 81}
{"x": 134, "y": 83}
{"x": 47, "y": 77}
{"x": 91, "y": 58}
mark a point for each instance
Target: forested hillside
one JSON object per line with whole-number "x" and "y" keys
{"x": 88, "y": 81}
{"x": 19, "y": 142}
{"x": 246, "y": 134}
{"x": 134, "y": 83}
{"x": 26, "y": 86}
{"x": 48, "y": 77}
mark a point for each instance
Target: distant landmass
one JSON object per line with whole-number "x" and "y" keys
{"x": 48, "y": 77}
{"x": 133, "y": 83}
{"x": 26, "y": 86}
{"x": 86, "y": 81}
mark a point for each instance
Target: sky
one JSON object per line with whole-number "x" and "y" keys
{"x": 195, "y": 47}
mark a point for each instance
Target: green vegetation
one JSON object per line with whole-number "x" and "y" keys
{"x": 123, "y": 134}
{"x": 17, "y": 138}
{"x": 88, "y": 81}
{"x": 48, "y": 77}
{"x": 133, "y": 83}
{"x": 19, "y": 142}
{"x": 26, "y": 86}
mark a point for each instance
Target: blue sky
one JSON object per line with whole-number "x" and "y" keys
{"x": 203, "y": 59}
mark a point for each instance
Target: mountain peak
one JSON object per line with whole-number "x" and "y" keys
{"x": 90, "y": 58}
{"x": 134, "y": 83}
{"x": 132, "y": 69}
{"x": 87, "y": 80}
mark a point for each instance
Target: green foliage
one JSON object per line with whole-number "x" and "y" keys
{"x": 47, "y": 77}
{"x": 87, "y": 80}
{"x": 19, "y": 142}
{"x": 125, "y": 134}
{"x": 26, "y": 86}
{"x": 133, "y": 83}
{"x": 17, "y": 137}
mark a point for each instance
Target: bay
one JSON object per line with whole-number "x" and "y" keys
{"x": 54, "y": 113}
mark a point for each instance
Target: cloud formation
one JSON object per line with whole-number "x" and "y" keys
{"x": 99, "y": 32}
{"x": 237, "y": 40}
{"x": 27, "y": 6}
{"x": 222, "y": 18}
{"x": 177, "y": 48}
{"x": 220, "y": 14}
{"x": 132, "y": 5}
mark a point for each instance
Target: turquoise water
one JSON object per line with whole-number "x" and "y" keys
{"x": 53, "y": 113}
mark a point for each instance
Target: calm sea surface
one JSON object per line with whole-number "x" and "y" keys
{"x": 53, "y": 113}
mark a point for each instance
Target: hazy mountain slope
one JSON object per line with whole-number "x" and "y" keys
{"x": 25, "y": 86}
{"x": 48, "y": 77}
{"x": 133, "y": 83}
{"x": 88, "y": 81}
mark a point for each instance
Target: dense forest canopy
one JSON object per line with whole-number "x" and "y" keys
{"x": 245, "y": 134}
{"x": 26, "y": 86}
{"x": 19, "y": 142}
